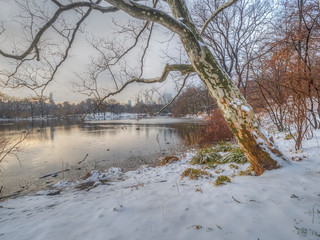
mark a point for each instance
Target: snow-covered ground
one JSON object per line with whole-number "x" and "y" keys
{"x": 156, "y": 203}
{"x": 112, "y": 116}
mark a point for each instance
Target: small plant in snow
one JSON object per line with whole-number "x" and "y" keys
{"x": 211, "y": 156}
{"x": 206, "y": 156}
{"x": 248, "y": 172}
{"x": 221, "y": 180}
{"x": 288, "y": 136}
{"x": 195, "y": 174}
{"x": 232, "y": 166}
{"x": 235, "y": 154}
{"x": 223, "y": 147}
{"x": 167, "y": 160}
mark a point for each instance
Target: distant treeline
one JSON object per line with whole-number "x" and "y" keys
{"x": 193, "y": 100}
{"x": 45, "y": 107}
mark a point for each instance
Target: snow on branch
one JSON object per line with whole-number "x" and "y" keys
{"x": 145, "y": 12}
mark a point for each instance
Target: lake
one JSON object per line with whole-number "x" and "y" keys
{"x": 58, "y": 145}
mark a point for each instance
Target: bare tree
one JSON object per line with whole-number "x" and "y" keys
{"x": 288, "y": 76}
{"x": 174, "y": 16}
{"x": 237, "y": 36}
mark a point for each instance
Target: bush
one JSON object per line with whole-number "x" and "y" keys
{"x": 216, "y": 129}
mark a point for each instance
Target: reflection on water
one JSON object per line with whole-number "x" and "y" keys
{"x": 57, "y": 145}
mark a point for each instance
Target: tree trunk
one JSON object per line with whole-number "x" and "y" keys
{"x": 260, "y": 151}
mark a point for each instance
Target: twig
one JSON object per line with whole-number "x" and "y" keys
{"x": 52, "y": 174}
{"x": 313, "y": 208}
{"x": 84, "y": 158}
{"x": 10, "y": 195}
{"x": 173, "y": 99}
{"x": 177, "y": 188}
{"x": 157, "y": 138}
{"x": 235, "y": 200}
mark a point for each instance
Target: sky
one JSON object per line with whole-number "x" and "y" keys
{"x": 79, "y": 57}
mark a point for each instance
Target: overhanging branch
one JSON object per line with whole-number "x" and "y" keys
{"x": 182, "y": 68}
{"x": 144, "y": 12}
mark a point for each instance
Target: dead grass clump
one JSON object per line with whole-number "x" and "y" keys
{"x": 232, "y": 166}
{"x": 137, "y": 186}
{"x": 167, "y": 160}
{"x": 248, "y": 172}
{"x": 221, "y": 180}
{"x": 85, "y": 177}
{"x": 86, "y": 186}
{"x": 195, "y": 174}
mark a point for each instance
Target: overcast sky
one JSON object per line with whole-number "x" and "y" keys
{"x": 79, "y": 57}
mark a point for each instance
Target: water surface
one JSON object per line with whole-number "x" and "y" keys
{"x": 84, "y": 146}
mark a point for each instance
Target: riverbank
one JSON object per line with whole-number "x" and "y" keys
{"x": 156, "y": 203}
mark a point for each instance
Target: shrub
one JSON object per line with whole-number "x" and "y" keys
{"x": 215, "y": 130}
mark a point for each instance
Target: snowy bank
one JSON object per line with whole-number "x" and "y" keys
{"x": 156, "y": 203}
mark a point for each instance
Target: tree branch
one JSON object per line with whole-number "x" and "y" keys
{"x": 144, "y": 12}
{"x": 173, "y": 99}
{"x": 45, "y": 27}
{"x": 220, "y": 9}
{"x": 65, "y": 56}
{"x": 5, "y": 151}
{"x": 182, "y": 68}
